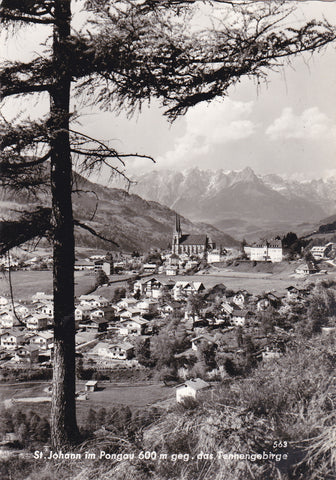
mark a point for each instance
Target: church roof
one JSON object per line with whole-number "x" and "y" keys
{"x": 193, "y": 240}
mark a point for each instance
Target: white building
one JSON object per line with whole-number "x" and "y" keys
{"x": 190, "y": 389}
{"x": 36, "y": 321}
{"x": 44, "y": 340}
{"x": 266, "y": 251}
{"x": 320, "y": 252}
{"x": 216, "y": 255}
{"x": 93, "y": 301}
{"x": 11, "y": 340}
{"x": 115, "y": 351}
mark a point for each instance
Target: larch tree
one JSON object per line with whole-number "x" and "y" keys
{"x": 129, "y": 52}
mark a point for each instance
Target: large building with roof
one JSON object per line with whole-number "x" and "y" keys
{"x": 266, "y": 251}
{"x": 189, "y": 243}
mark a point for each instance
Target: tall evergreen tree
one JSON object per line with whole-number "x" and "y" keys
{"x": 129, "y": 52}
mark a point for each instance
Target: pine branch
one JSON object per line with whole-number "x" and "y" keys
{"x": 30, "y": 225}
{"x": 93, "y": 232}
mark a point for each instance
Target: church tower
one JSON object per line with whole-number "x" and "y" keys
{"x": 176, "y": 235}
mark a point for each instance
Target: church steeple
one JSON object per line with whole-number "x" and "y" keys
{"x": 176, "y": 235}
{"x": 178, "y": 225}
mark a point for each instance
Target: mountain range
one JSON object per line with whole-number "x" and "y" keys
{"x": 241, "y": 203}
{"x": 131, "y": 221}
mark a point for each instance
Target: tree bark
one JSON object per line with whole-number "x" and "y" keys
{"x": 63, "y": 407}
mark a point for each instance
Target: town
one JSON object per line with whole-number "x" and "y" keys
{"x": 159, "y": 312}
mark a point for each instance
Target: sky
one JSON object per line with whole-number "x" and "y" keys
{"x": 285, "y": 126}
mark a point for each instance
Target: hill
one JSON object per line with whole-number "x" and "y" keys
{"x": 127, "y": 219}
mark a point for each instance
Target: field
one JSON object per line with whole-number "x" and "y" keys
{"x": 244, "y": 276}
{"x": 135, "y": 395}
{"x": 27, "y": 283}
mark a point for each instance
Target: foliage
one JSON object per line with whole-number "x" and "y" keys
{"x": 119, "y": 294}
{"x": 142, "y": 352}
{"x": 101, "y": 278}
{"x": 30, "y": 428}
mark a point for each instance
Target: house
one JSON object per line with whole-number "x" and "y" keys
{"x": 172, "y": 270}
{"x": 294, "y": 293}
{"x": 93, "y": 301}
{"x": 133, "y": 326}
{"x": 91, "y": 386}
{"x": 266, "y": 251}
{"x": 150, "y": 288}
{"x": 190, "y": 264}
{"x": 239, "y": 317}
{"x": 42, "y": 297}
{"x": 114, "y": 351}
{"x": 84, "y": 265}
{"x": 82, "y": 312}
{"x": 46, "y": 309}
{"x": 268, "y": 300}
{"x": 147, "y": 306}
{"x": 190, "y": 389}
{"x": 127, "y": 302}
{"x": 184, "y": 289}
{"x": 12, "y": 339}
{"x": 320, "y": 252}
{"x": 96, "y": 324}
{"x": 26, "y": 353}
{"x": 190, "y": 244}
{"x": 129, "y": 313}
{"x": 228, "y": 307}
{"x": 217, "y": 255}
{"x": 165, "y": 309}
{"x": 97, "y": 313}
{"x": 307, "y": 268}
{"x": 9, "y": 320}
{"x": 44, "y": 340}
{"x": 197, "y": 342}
{"x": 21, "y": 310}
{"x": 36, "y": 321}
{"x": 150, "y": 267}
{"x": 270, "y": 353}
{"x": 104, "y": 266}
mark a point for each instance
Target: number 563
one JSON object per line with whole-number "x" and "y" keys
{"x": 280, "y": 444}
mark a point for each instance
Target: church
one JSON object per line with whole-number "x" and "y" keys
{"x": 189, "y": 243}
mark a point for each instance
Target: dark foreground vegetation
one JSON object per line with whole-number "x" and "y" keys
{"x": 284, "y": 410}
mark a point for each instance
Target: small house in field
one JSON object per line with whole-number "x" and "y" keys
{"x": 307, "y": 268}
{"x": 190, "y": 389}
{"x": 91, "y": 386}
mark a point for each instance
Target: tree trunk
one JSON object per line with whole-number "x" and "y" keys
{"x": 63, "y": 408}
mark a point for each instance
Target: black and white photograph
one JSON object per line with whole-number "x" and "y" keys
{"x": 167, "y": 239}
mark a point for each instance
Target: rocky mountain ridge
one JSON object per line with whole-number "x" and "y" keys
{"x": 240, "y": 202}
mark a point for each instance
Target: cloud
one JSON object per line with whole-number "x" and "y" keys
{"x": 312, "y": 124}
{"x": 208, "y": 125}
